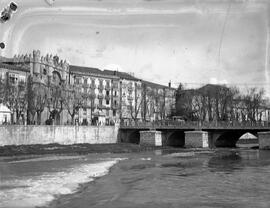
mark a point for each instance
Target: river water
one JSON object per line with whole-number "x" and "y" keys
{"x": 172, "y": 178}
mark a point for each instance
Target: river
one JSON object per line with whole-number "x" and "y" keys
{"x": 172, "y": 178}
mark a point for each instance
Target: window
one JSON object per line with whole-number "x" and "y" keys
{"x": 107, "y": 92}
{"x": 114, "y": 112}
{"x": 77, "y": 80}
{"x": 13, "y": 78}
{"x": 22, "y": 79}
{"x": 107, "y": 102}
{"x": 100, "y": 102}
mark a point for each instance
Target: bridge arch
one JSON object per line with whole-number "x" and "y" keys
{"x": 175, "y": 139}
{"x": 248, "y": 139}
{"x": 230, "y": 138}
{"x": 134, "y": 137}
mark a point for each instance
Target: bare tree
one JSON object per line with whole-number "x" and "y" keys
{"x": 10, "y": 97}
{"x": 55, "y": 101}
{"x": 40, "y": 99}
{"x": 2, "y": 89}
{"x": 73, "y": 102}
{"x": 134, "y": 108}
{"x": 253, "y": 102}
{"x": 21, "y": 101}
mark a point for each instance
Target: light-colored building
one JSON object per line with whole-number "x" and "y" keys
{"x": 5, "y": 114}
{"x": 101, "y": 95}
{"x": 13, "y": 82}
{"x": 158, "y": 101}
{"x": 59, "y": 93}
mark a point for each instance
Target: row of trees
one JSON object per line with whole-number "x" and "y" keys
{"x": 149, "y": 103}
{"x": 28, "y": 100}
{"x": 220, "y": 103}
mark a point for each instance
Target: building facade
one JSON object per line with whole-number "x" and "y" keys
{"x": 58, "y": 93}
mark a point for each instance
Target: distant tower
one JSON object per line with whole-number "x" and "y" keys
{"x": 65, "y": 70}
{"x": 42, "y": 66}
{"x": 31, "y": 64}
{"x": 50, "y": 63}
{"x": 36, "y": 58}
{"x": 15, "y": 59}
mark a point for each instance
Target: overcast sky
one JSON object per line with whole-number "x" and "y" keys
{"x": 190, "y": 41}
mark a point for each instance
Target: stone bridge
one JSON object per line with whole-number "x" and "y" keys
{"x": 193, "y": 134}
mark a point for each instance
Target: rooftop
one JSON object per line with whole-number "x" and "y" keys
{"x": 106, "y": 72}
{"x": 14, "y": 67}
{"x": 83, "y": 69}
{"x": 155, "y": 85}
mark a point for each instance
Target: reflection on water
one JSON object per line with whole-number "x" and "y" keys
{"x": 221, "y": 178}
{"x": 225, "y": 162}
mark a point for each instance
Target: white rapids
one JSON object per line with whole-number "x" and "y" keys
{"x": 39, "y": 190}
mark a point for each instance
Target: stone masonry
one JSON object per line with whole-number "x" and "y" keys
{"x": 150, "y": 138}
{"x": 24, "y": 135}
{"x": 196, "y": 139}
{"x": 264, "y": 140}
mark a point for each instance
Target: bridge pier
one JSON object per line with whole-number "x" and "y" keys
{"x": 151, "y": 138}
{"x": 264, "y": 140}
{"x": 196, "y": 139}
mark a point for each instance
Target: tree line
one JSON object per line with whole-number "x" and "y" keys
{"x": 27, "y": 100}
{"x": 220, "y": 103}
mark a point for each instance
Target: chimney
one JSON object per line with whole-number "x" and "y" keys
{"x": 170, "y": 84}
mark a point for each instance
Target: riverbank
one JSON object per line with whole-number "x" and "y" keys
{"x": 85, "y": 148}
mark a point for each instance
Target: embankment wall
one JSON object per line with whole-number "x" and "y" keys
{"x": 24, "y": 135}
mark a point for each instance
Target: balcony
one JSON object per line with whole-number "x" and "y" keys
{"x": 85, "y": 85}
{"x": 129, "y": 87}
{"x": 115, "y": 106}
{"x": 115, "y": 85}
{"x": 107, "y": 87}
{"x": 100, "y": 106}
{"x": 100, "y": 96}
{"x": 92, "y": 96}
{"x": 100, "y": 87}
{"x": 139, "y": 87}
{"x": 129, "y": 97}
{"x": 107, "y": 97}
{"x": 93, "y": 86}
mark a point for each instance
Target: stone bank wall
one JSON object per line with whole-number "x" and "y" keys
{"x": 20, "y": 135}
{"x": 264, "y": 140}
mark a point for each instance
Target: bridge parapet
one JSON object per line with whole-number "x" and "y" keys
{"x": 195, "y": 125}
